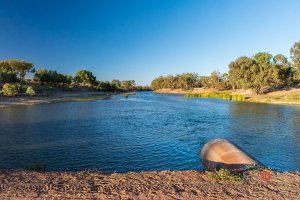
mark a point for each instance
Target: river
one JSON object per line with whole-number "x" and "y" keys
{"x": 143, "y": 132}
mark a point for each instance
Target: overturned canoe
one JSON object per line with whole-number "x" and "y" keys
{"x": 222, "y": 154}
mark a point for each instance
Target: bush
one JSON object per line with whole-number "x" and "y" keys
{"x": 224, "y": 175}
{"x": 10, "y": 89}
{"x": 30, "y": 91}
{"x": 8, "y": 77}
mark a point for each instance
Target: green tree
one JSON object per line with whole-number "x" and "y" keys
{"x": 7, "y": 76}
{"x": 241, "y": 72}
{"x": 128, "y": 84}
{"x": 280, "y": 59}
{"x": 157, "y": 83}
{"x": 85, "y": 77}
{"x": 67, "y": 79}
{"x": 116, "y": 84}
{"x": 258, "y": 72}
{"x": 286, "y": 73}
{"x": 105, "y": 85}
{"x": 52, "y": 77}
{"x": 295, "y": 56}
{"x": 204, "y": 81}
{"x": 261, "y": 75}
{"x": 18, "y": 66}
{"x": 216, "y": 81}
{"x": 170, "y": 82}
{"x": 42, "y": 75}
{"x": 187, "y": 81}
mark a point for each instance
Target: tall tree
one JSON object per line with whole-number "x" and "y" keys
{"x": 285, "y": 72}
{"x": 204, "y": 81}
{"x": 187, "y": 81}
{"x": 157, "y": 83}
{"x": 8, "y": 77}
{"x": 295, "y": 56}
{"x": 170, "y": 82}
{"x": 116, "y": 84}
{"x": 128, "y": 84}
{"x": 241, "y": 72}
{"x": 53, "y": 77}
{"x": 85, "y": 77}
{"x": 262, "y": 76}
{"x": 21, "y": 67}
{"x": 216, "y": 80}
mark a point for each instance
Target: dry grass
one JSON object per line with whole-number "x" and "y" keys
{"x": 283, "y": 96}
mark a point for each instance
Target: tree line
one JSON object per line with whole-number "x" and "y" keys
{"x": 15, "y": 71}
{"x": 262, "y": 70}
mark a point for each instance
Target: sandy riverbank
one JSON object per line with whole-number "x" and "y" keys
{"x": 58, "y": 97}
{"x": 288, "y": 96}
{"x": 144, "y": 185}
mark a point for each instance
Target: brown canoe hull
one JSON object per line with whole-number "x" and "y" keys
{"x": 222, "y": 154}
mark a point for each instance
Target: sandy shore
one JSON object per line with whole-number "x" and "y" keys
{"x": 61, "y": 97}
{"x": 145, "y": 185}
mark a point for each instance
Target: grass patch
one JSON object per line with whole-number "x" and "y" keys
{"x": 218, "y": 95}
{"x": 223, "y": 175}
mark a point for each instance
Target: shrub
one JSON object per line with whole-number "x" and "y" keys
{"x": 8, "y": 76}
{"x": 224, "y": 175}
{"x": 10, "y": 89}
{"x": 30, "y": 91}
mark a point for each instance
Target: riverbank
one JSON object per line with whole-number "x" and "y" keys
{"x": 54, "y": 98}
{"x": 144, "y": 185}
{"x": 289, "y": 96}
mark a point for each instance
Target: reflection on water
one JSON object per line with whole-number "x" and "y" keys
{"x": 146, "y": 131}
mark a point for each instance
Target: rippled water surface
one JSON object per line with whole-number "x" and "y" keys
{"x": 147, "y": 131}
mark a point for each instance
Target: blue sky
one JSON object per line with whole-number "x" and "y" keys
{"x": 141, "y": 39}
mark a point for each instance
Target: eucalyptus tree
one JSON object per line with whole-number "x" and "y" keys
{"x": 20, "y": 67}
{"x": 85, "y": 77}
{"x": 204, "y": 81}
{"x": 117, "y": 84}
{"x": 52, "y": 77}
{"x": 8, "y": 77}
{"x": 128, "y": 84}
{"x": 216, "y": 81}
{"x": 295, "y": 56}
{"x": 170, "y": 81}
{"x": 157, "y": 83}
{"x": 262, "y": 76}
{"x": 187, "y": 81}
{"x": 286, "y": 73}
{"x": 241, "y": 72}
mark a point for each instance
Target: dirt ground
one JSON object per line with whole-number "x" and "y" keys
{"x": 145, "y": 185}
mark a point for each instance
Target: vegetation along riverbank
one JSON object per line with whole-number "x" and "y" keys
{"x": 48, "y": 86}
{"x": 288, "y": 96}
{"x": 259, "y": 78}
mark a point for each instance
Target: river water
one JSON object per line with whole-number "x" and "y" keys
{"x": 143, "y": 132}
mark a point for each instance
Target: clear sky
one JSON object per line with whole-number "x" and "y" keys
{"x": 141, "y": 39}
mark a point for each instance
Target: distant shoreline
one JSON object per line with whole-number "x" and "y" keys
{"x": 286, "y": 96}
{"x": 56, "y": 98}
